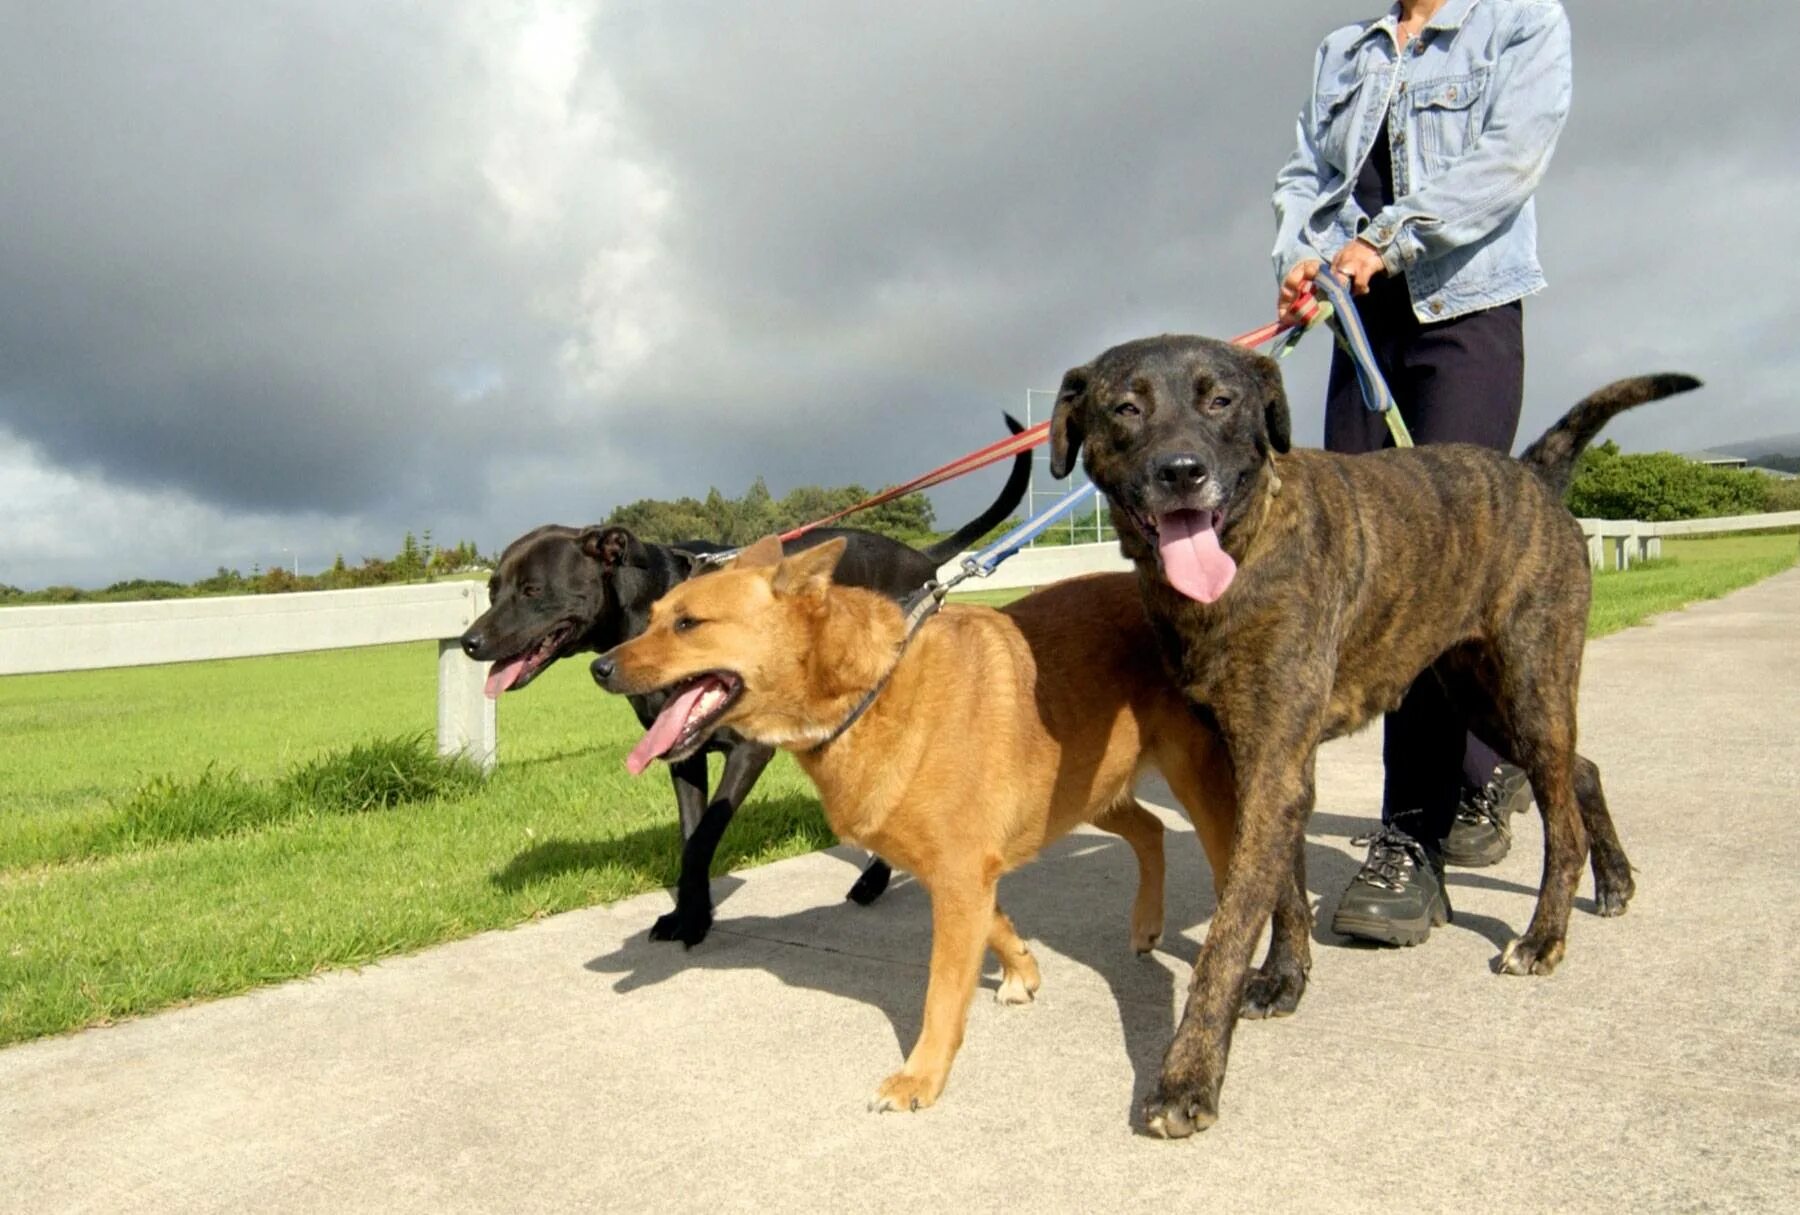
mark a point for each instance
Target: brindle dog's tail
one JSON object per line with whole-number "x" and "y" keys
{"x": 1553, "y": 456}
{"x": 1011, "y": 494}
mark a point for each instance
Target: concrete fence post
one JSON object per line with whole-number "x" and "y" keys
{"x": 465, "y": 716}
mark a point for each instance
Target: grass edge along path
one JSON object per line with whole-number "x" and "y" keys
{"x": 169, "y": 909}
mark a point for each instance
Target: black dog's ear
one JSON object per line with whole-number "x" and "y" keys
{"x": 1276, "y": 422}
{"x": 1066, "y": 423}
{"x": 689, "y": 563}
{"x": 612, "y": 546}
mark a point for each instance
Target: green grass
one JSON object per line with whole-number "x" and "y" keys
{"x": 1688, "y": 571}
{"x": 178, "y": 833}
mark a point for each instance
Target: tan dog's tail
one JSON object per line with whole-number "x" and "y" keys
{"x": 1553, "y": 456}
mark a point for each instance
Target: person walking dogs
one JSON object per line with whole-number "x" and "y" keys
{"x": 1416, "y": 157}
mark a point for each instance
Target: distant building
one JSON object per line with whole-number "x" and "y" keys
{"x": 1715, "y": 459}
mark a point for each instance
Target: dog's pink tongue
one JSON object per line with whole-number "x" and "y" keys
{"x": 502, "y": 676}
{"x": 665, "y": 729}
{"x": 1192, "y": 560}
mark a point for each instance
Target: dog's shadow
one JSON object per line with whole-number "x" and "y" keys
{"x": 1074, "y": 900}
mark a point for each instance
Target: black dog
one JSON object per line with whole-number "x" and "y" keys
{"x": 1297, "y": 595}
{"x": 558, "y": 590}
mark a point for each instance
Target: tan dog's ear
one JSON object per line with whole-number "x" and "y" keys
{"x": 1066, "y": 424}
{"x": 808, "y": 572}
{"x": 764, "y": 552}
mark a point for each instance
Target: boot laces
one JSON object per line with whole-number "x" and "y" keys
{"x": 1393, "y": 855}
{"x": 1481, "y": 805}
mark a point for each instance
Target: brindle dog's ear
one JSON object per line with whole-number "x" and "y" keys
{"x": 1066, "y": 423}
{"x": 1276, "y": 423}
{"x": 612, "y": 547}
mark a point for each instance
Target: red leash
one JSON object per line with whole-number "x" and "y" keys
{"x": 1025, "y": 440}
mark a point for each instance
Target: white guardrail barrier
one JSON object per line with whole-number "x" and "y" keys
{"x": 1634, "y": 541}
{"x": 92, "y": 636}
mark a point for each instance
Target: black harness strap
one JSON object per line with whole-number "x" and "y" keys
{"x": 920, "y": 606}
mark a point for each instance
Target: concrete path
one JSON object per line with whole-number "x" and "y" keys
{"x": 573, "y": 1064}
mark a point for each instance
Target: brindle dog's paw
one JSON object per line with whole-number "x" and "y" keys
{"x": 1526, "y": 956}
{"x": 683, "y": 924}
{"x": 1272, "y": 993}
{"x": 871, "y": 883}
{"x": 904, "y": 1093}
{"x": 1177, "y": 1111}
{"x": 1612, "y": 894}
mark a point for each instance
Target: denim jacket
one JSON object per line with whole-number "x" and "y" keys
{"x": 1473, "y": 108}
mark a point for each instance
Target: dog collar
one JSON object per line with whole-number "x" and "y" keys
{"x": 920, "y": 606}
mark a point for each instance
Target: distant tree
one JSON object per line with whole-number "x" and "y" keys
{"x": 1777, "y": 461}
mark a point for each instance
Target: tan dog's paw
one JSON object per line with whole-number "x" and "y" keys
{"x": 1145, "y": 935}
{"x": 904, "y": 1093}
{"x": 1016, "y": 988}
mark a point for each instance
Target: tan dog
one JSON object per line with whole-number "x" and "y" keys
{"x": 989, "y": 734}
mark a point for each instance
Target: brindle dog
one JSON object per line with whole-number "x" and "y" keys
{"x": 1297, "y": 595}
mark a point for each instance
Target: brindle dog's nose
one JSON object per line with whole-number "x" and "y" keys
{"x": 1180, "y": 472}
{"x": 472, "y": 642}
{"x": 602, "y": 669}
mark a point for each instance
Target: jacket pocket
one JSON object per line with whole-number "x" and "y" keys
{"x": 1447, "y": 116}
{"x": 1333, "y": 111}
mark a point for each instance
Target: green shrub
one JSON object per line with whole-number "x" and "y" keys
{"x": 1781, "y": 494}
{"x": 1659, "y": 486}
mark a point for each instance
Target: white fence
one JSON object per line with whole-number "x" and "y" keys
{"x": 1634, "y": 541}
{"x": 91, "y": 636}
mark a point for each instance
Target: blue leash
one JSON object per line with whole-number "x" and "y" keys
{"x": 1355, "y": 340}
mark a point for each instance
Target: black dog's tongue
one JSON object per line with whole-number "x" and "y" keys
{"x": 1192, "y": 560}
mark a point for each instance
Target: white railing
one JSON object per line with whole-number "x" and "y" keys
{"x": 1041, "y": 566}
{"x": 92, "y": 636}
{"x": 1631, "y": 540}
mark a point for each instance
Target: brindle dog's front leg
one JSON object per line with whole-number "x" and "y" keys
{"x": 1275, "y": 989}
{"x": 1275, "y": 794}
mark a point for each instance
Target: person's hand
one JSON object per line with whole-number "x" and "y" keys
{"x": 1357, "y": 263}
{"x": 1295, "y": 289}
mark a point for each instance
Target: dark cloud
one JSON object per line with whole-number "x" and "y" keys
{"x": 344, "y": 269}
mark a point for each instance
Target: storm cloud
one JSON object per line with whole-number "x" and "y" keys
{"x": 304, "y": 277}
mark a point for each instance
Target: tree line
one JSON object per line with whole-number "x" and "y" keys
{"x": 418, "y": 560}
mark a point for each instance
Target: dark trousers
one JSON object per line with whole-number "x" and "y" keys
{"x": 1456, "y": 381}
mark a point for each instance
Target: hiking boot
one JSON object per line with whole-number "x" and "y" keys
{"x": 1397, "y": 897}
{"x": 1481, "y": 834}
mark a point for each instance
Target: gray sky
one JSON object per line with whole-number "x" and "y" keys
{"x": 304, "y": 276}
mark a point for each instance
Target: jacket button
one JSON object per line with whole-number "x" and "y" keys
{"x": 1437, "y": 307}
{"x": 1452, "y": 93}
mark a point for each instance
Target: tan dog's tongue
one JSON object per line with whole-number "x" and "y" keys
{"x": 1192, "y": 560}
{"x": 665, "y": 729}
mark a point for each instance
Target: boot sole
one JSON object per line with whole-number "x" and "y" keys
{"x": 1387, "y": 931}
{"x": 1477, "y": 858}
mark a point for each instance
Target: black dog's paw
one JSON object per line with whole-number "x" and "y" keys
{"x": 871, "y": 883}
{"x": 1272, "y": 994}
{"x": 1528, "y": 955}
{"x": 1175, "y": 1111}
{"x": 683, "y": 924}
